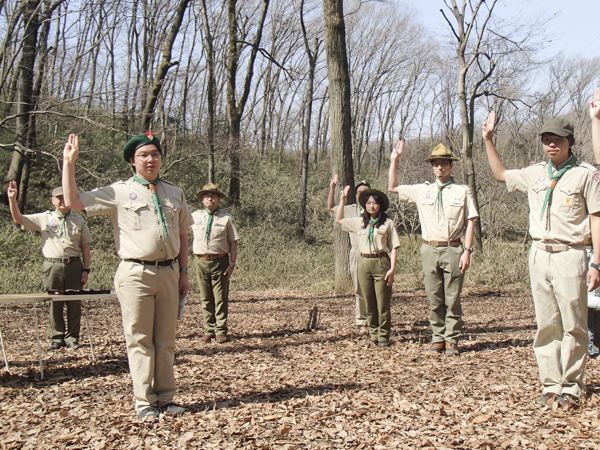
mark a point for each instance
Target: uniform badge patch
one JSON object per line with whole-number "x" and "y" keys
{"x": 51, "y": 222}
{"x": 541, "y": 179}
{"x": 456, "y": 201}
{"x": 596, "y": 177}
{"x": 199, "y": 220}
{"x": 427, "y": 194}
{"x": 133, "y": 196}
{"x": 568, "y": 200}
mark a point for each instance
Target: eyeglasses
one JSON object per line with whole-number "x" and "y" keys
{"x": 147, "y": 157}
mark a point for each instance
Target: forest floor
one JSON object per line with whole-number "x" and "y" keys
{"x": 277, "y": 386}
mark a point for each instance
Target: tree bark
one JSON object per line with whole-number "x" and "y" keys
{"x": 340, "y": 122}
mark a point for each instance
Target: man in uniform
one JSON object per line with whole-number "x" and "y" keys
{"x": 351, "y": 211}
{"x": 65, "y": 239}
{"x": 564, "y": 200}
{"x": 215, "y": 247}
{"x": 446, "y": 212}
{"x": 150, "y": 219}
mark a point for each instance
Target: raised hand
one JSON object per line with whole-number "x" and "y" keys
{"x": 71, "y": 150}
{"x": 12, "y": 190}
{"x": 488, "y": 127}
{"x": 344, "y": 193}
{"x": 334, "y": 180}
{"x": 595, "y": 105}
{"x": 398, "y": 150}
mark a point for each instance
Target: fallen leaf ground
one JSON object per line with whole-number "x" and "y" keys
{"x": 276, "y": 386}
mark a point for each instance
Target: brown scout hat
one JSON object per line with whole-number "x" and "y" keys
{"x": 362, "y": 198}
{"x": 210, "y": 188}
{"x": 57, "y": 191}
{"x": 441, "y": 152}
{"x": 558, "y": 127}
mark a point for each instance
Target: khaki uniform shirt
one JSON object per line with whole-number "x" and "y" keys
{"x": 385, "y": 238}
{"x": 440, "y": 224}
{"x": 575, "y": 196}
{"x": 351, "y": 211}
{"x": 222, "y": 233}
{"x": 53, "y": 246}
{"x": 137, "y": 227}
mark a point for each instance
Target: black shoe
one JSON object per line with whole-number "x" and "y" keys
{"x": 546, "y": 398}
{"x": 173, "y": 408}
{"x": 568, "y": 399}
{"x": 74, "y": 345}
{"x": 384, "y": 343}
{"x": 151, "y": 412}
{"x": 56, "y": 346}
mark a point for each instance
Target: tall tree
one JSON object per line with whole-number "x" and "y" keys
{"x": 340, "y": 130}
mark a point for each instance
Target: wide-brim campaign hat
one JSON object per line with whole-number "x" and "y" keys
{"x": 210, "y": 187}
{"x": 441, "y": 152}
{"x": 137, "y": 141}
{"x": 362, "y": 198}
{"x": 558, "y": 127}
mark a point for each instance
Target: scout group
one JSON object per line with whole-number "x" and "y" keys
{"x": 150, "y": 217}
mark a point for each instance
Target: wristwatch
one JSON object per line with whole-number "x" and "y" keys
{"x": 469, "y": 249}
{"x": 595, "y": 266}
{"x": 184, "y": 269}
{"x": 86, "y": 270}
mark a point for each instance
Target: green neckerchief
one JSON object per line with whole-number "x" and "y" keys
{"x": 210, "y": 219}
{"x": 371, "y": 232}
{"x": 62, "y": 227}
{"x": 152, "y": 186}
{"x": 438, "y": 198}
{"x": 552, "y": 184}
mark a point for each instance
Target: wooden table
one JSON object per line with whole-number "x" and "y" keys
{"x": 43, "y": 297}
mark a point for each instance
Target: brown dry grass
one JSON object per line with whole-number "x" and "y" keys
{"x": 276, "y": 386}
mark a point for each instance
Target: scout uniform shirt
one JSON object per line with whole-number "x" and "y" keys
{"x": 575, "y": 196}
{"x": 74, "y": 236}
{"x": 385, "y": 238}
{"x": 350, "y": 212}
{"x": 445, "y": 222}
{"x": 137, "y": 227}
{"x": 222, "y": 233}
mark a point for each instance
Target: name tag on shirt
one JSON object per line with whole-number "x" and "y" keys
{"x": 456, "y": 202}
{"x": 219, "y": 227}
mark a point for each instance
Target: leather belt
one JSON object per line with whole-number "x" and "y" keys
{"x": 166, "y": 262}
{"x": 373, "y": 255}
{"x": 556, "y": 248}
{"x": 63, "y": 260}
{"x": 212, "y": 257}
{"x": 455, "y": 243}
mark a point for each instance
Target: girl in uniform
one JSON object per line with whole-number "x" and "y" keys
{"x": 377, "y": 239}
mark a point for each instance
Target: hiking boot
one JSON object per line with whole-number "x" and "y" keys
{"x": 56, "y": 346}
{"x": 546, "y": 399}
{"x": 435, "y": 347}
{"x": 451, "y": 349}
{"x": 206, "y": 338}
{"x": 221, "y": 338}
{"x": 149, "y": 413}
{"x": 568, "y": 400}
{"x": 74, "y": 345}
{"x": 384, "y": 343}
{"x": 173, "y": 408}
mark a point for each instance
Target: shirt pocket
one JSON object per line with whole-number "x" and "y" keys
{"x": 455, "y": 211}
{"x": 132, "y": 215}
{"x": 171, "y": 211}
{"x": 380, "y": 238}
{"x": 569, "y": 199}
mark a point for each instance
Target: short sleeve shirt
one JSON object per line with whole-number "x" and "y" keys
{"x": 350, "y": 212}
{"x": 222, "y": 233}
{"x": 445, "y": 223}
{"x": 385, "y": 238}
{"x": 137, "y": 227}
{"x": 54, "y": 245}
{"x": 575, "y": 196}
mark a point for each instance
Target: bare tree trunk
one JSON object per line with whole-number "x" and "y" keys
{"x": 340, "y": 119}
{"x": 210, "y": 93}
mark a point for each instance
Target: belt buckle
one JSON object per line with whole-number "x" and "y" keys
{"x": 434, "y": 243}
{"x": 549, "y": 248}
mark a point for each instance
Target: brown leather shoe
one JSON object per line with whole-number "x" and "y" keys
{"x": 435, "y": 347}
{"x": 221, "y": 338}
{"x": 206, "y": 338}
{"x": 451, "y": 349}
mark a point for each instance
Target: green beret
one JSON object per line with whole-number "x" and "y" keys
{"x": 138, "y": 141}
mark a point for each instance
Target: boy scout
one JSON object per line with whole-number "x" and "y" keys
{"x": 150, "y": 219}
{"x": 65, "y": 239}
{"x": 562, "y": 194}
{"x": 215, "y": 247}
{"x": 352, "y": 211}
{"x": 446, "y": 213}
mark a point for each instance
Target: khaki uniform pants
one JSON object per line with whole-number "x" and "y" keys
{"x": 377, "y": 295}
{"x": 214, "y": 289}
{"x": 360, "y": 307}
{"x": 443, "y": 283}
{"x": 64, "y": 276}
{"x": 149, "y": 298}
{"x": 558, "y": 285}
